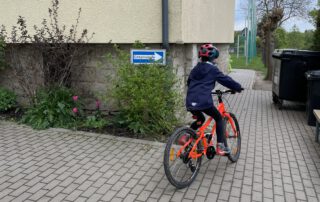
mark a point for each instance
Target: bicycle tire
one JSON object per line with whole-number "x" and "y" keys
{"x": 235, "y": 151}
{"x": 166, "y": 160}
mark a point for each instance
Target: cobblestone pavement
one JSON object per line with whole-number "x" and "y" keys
{"x": 279, "y": 161}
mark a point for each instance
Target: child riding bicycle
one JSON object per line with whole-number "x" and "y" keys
{"x": 200, "y": 83}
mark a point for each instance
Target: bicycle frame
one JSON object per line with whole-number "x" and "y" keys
{"x": 201, "y": 133}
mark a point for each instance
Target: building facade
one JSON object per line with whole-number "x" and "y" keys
{"x": 191, "y": 23}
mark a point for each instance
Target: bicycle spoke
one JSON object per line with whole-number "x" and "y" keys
{"x": 234, "y": 139}
{"x": 180, "y": 170}
{"x": 174, "y": 164}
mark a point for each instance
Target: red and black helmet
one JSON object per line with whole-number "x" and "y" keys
{"x": 209, "y": 51}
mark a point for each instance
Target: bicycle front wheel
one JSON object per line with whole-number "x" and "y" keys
{"x": 233, "y": 137}
{"x": 181, "y": 170}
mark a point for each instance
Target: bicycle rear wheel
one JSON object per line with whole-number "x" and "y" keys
{"x": 180, "y": 170}
{"x": 233, "y": 138}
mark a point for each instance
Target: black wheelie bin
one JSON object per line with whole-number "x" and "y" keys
{"x": 313, "y": 101}
{"x": 288, "y": 79}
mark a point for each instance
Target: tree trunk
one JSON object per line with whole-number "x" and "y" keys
{"x": 263, "y": 51}
{"x": 268, "y": 54}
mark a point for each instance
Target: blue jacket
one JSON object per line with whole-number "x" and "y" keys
{"x": 201, "y": 82}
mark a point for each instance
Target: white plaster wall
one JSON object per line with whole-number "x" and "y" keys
{"x": 124, "y": 21}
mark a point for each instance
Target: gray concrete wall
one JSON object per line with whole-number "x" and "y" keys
{"x": 92, "y": 79}
{"x": 223, "y": 60}
{"x": 26, "y": 74}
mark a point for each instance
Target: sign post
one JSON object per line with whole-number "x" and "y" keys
{"x": 157, "y": 56}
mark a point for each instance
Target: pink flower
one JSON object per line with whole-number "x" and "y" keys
{"x": 98, "y": 104}
{"x": 75, "y": 110}
{"x": 75, "y": 98}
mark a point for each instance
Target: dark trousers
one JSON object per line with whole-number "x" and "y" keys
{"x": 215, "y": 114}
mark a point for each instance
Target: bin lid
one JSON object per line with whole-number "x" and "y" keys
{"x": 308, "y": 53}
{"x": 313, "y": 75}
{"x": 281, "y": 53}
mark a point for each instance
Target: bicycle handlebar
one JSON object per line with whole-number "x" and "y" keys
{"x": 219, "y": 92}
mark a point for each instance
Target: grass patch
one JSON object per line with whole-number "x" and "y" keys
{"x": 240, "y": 63}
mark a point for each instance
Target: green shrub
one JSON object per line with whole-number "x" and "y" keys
{"x": 55, "y": 107}
{"x": 146, "y": 96}
{"x": 7, "y": 100}
{"x": 95, "y": 122}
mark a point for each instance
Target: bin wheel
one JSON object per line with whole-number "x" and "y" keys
{"x": 275, "y": 98}
{"x": 280, "y": 103}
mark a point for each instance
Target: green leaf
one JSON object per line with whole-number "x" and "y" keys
{"x": 61, "y": 105}
{"x": 53, "y": 109}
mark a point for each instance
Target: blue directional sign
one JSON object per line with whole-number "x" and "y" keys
{"x": 148, "y": 56}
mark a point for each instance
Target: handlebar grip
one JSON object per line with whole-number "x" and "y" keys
{"x": 225, "y": 92}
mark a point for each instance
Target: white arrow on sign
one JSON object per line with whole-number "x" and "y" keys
{"x": 154, "y": 57}
{"x": 157, "y": 57}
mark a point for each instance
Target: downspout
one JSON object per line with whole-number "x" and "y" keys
{"x": 165, "y": 24}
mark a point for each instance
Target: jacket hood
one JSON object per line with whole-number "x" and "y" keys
{"x": 201, "y": 70}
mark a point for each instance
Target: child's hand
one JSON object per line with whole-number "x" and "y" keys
{"x": 241, "y": 90}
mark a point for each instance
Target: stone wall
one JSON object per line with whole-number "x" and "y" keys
{"x": 223, "y": 60}
{"x": 26, "y": 76}
{"x": 93, "y": 79}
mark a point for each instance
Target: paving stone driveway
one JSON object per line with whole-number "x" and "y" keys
{"x": 279, "y": 161}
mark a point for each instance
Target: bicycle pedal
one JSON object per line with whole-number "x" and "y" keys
{"x": 211, "y": 152}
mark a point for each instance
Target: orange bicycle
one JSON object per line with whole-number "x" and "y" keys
{"x": 186, "y": 147}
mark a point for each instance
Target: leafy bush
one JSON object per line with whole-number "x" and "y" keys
{"x": 55, "y": 107}
{"x": 146, "y": 96}
{"x": 7, "y": 100}
{"x": 96, "y": 121}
